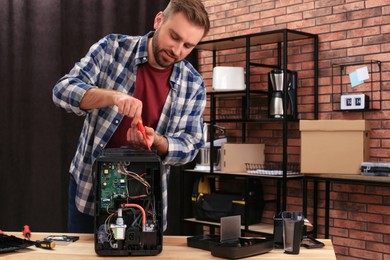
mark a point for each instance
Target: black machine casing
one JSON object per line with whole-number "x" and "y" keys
{"x": 127, "y": 183}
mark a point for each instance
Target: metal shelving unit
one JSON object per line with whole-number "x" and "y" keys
{"x": 281, "y": 38}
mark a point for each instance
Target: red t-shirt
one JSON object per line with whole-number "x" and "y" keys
{"x": 151, "y": 87}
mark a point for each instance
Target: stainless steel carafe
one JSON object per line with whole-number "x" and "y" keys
{"x": 276, "y": 102}
{"x": 276, "y": 88}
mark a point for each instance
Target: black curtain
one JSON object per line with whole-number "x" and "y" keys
{"x": 40, "y": 40}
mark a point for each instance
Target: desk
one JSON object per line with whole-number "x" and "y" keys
{"x": 336, "y": 178}
{"x": 174, "y": 247}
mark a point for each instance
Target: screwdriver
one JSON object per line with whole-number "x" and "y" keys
{"x": 141, "y": 128}
{"x": 45, "y": 244}
{"x": 39, "y": 243}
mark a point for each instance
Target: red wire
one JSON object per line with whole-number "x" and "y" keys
{"x": 132, "y": 205}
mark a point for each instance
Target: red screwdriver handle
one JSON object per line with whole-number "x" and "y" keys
{"x": 141, "y": 128}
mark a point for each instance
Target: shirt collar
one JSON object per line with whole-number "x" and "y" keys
{"x": 142, "y": 57}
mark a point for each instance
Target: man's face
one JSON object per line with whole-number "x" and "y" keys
{"x": 174, "y": 39}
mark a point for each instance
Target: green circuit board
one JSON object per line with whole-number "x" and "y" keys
{"x": 113, "y": 185}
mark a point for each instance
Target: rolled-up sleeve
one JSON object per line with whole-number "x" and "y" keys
{"x": 70, "y": 89}
{"x": 186, "y": 138}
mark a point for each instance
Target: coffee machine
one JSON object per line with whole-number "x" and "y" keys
{"x": 276, "y": 93}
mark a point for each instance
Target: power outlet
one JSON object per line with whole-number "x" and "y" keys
{"x": 353, "y": 101}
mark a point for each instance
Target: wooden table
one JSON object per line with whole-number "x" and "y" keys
{"x": 174, "y": 247}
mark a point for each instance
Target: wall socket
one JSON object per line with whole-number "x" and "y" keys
{"x": 353, "y": 101}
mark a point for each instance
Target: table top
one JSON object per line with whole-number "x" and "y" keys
{"x": 351, "y": 178}
{"x": 174, "y": 247}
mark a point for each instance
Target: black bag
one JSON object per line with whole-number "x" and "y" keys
{"x": 211, "y": 206}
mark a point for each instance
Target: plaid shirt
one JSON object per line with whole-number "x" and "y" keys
{"x": 112, "y": 63}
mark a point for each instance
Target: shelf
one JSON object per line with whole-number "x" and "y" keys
{"x": 258, "y": 228}
{"x": 252, "y": 105}
{"x": 275, "y": 36}
{"x": 244, "y": 174}
{"x": 370, "y": 88}
{"x": 237, "y": 93}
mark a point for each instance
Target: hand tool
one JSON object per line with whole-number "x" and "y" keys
{"x": 38, "y": 243}
{"x": 141, "y": 128}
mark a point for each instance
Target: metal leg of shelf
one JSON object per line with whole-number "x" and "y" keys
{"x": 278, "y": 196}
{"x": 327, "y": 207}
{"x": 315, "y": 208}
{"x": 304, "y": 201}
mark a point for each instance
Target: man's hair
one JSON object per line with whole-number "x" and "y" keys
{"x": 194, "y": 10}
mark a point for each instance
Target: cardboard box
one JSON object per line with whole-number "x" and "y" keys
{"x": 234, "y": 156}
{"x": 333, "y": 146}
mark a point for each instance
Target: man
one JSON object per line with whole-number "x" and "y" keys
{"x": 124, "y": 79}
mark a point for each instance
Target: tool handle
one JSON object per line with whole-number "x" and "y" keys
{"x": 26, "y": 231}
{"x": 141, "y": 128}
{"x": 45, "y": 244}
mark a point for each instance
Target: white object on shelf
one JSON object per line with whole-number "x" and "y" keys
{"x": 217, "y": 143}
{"x": 228, "y": 78}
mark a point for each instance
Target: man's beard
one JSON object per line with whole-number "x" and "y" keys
{"x": 157, "y": 53}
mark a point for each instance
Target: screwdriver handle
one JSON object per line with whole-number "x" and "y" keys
{"x": 141, "y": 128}
{"x": 45, "y": 244}
{"x": 26, "y": 231}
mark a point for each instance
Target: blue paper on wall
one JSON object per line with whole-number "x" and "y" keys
{"x": 354, "y": 78}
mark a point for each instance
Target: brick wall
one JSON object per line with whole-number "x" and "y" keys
{"x": 349, "y": 31}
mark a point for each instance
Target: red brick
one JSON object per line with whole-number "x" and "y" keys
{"x": 373, "y": 3}
{"x": 357, "y": 225}
{"x": 346, "y": 43}
{"x": 383, "y": 38}
{"x": 340, "y": 250}
{"x": 348, "y": 7}
{"x": 364, "y": 50}
{"x": 300, "y": 7}
{"x": 324, "y": 3}
{"x": 288, "y": 18}
{"x": 386, "y": 220}
{"x": 339, "y": 232}
{"x": 273, "y": 13}
{"x": 380, "y": 228}
{"x": 381, "y": 209}
{"x": 224, "y": 7}
{"x": 347, "y": 187}
{"x": 349, "y": 206}
{"x": 358, "y": 216}
{"x": 338, "y": 214}
{"x": 373, "y": 199}
{"x": 367, "y": 236}
{"x": 364, "y": 254}
{"x": 237, "y": 12}
{"x": 387, "y": 239}
{"x": 385, "y": 191}
{"x": 350, "y": 25}
{"x": 317, "y": 12}
{"x": 376, "y": 21}
{"x": 336, "y": 18}
{"x": 262, "y": 6}
{"x": 353, "y": 243}
{"x": 378, "y": 247}
{"x": 368, "y": 31}
{"x": 365, "y": 13}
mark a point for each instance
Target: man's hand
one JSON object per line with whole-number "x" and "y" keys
{"x": 128, "y": 106}
{"x": 136, "y": 139}
{"x": 158, "y": 142}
